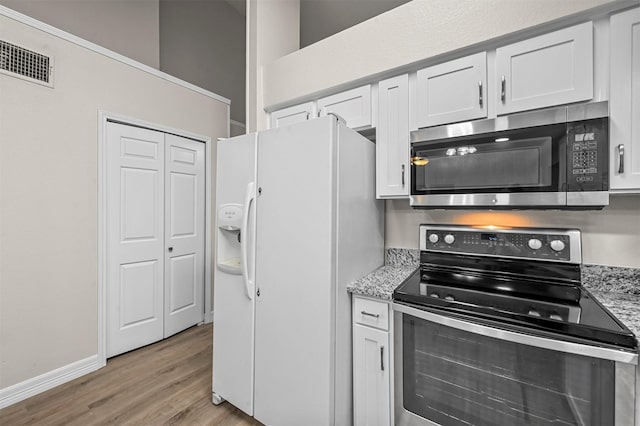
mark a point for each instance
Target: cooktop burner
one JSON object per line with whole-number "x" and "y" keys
{"x": 519, "y": 279}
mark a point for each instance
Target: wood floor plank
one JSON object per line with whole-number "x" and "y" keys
{"x": 167, "y": 383}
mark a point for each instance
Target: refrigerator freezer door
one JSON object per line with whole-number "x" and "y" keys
{"x": 295, "y": 274}
{"x": 233, "y": 335}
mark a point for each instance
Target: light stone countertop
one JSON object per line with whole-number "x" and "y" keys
{"x": 399, "y": 265}
{"x": 618, "y": 289}
{"x": 381, "y": 282}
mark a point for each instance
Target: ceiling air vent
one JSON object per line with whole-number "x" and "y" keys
{"x": 26, "y": 64}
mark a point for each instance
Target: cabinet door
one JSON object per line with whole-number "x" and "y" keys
{"x": 552, "y": 69}
{"x": 392, "y": 138}
{"x": 353, "y": 105}
{"x": 291, "y": 115}
{"x": 371, "y": 379}
{"x": 453, "y": 91}
{"x": 625, "y": 101}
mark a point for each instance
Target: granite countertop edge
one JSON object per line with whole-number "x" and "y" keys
{"x": 616, "y": 288}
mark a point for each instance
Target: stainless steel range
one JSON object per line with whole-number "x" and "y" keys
{"x": 496, "y": 329}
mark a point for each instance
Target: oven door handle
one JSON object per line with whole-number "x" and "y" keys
{"x": 524, "y": 339}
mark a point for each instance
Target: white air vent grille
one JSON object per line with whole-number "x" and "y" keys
{"x": 25, "y": 63}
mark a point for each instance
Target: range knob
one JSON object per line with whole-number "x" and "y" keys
{"x": 556, "y": 245}
{"x": 535, "y": 244}
{"x": 449, "y": 239}
{"x": 433, "y": 238}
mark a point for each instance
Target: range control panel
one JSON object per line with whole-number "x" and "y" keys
{"x": 528, "y": 243}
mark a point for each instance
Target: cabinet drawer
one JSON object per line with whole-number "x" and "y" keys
{"x": 371, "y": 313}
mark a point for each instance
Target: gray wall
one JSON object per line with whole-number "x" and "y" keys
{"x": 49, "y": 194}
{"x": 322, "y": 18}
{"x": 609, "y": 237}
{"x": 199, "y": 41}
{"x": 203, "y": 42}
{"x": 124, "y": 26}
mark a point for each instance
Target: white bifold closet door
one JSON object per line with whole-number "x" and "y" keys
{"x": 155, "y": 236}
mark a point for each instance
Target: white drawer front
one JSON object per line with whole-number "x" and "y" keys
{"x": 371, "y": 313}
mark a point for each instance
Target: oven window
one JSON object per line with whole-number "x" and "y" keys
{"x": 454, "y": 377}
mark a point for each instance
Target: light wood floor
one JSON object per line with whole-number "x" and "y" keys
{"x": 167, "y": 383}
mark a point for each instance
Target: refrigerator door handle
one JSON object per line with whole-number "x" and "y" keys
{"x": 248, "y": 200}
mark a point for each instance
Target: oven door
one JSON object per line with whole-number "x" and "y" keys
{"x": 520, "y": 167}
{"x": 451, "y": 372}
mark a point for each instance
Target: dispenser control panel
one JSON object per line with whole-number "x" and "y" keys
{"x": 230, "y": 217}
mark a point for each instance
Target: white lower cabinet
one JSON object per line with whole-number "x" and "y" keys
{"x": 371, "y": 364}
{"x": 625, "y": 101}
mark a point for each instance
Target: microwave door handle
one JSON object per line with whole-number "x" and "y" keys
{"x": 244, "y": 241}
{"x": 621, "y": 158}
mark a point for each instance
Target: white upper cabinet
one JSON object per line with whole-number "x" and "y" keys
{"x": 392, "y": 138}
{"x": 353, "y": 105}
{"x": 291, "y": 115}
{"x": 624, "y": 101}
{"x": 552, "y": 69}
{"x": 453, "y": 91}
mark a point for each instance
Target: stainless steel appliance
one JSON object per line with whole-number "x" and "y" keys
{"x": 496, "y": 329}
{"x": 552, "y": 158}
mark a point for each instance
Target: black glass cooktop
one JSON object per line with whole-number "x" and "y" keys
{"x": 559, "y": 309}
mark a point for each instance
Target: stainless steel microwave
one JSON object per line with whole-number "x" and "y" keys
{"x": 554, "y": 158}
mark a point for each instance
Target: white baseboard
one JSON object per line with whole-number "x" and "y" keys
{"x": 30, "y": 387}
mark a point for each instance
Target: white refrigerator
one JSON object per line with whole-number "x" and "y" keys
{"x": 297, "y": 220}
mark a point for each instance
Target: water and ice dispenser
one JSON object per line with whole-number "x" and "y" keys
{"x": 229, "y": 225}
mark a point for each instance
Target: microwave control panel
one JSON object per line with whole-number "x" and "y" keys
{"x": 588, "y": 155}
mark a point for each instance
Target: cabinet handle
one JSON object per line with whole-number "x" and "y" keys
{"x": 308, "y": 115}
{"x": 370, "y": 314}
{"x": 480, "y": 93}
{"x": 382, "y": 358}
{"x": 402, "y": 175}
{"x": 503, "y": 87}
{"x": 621, "y": 158}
